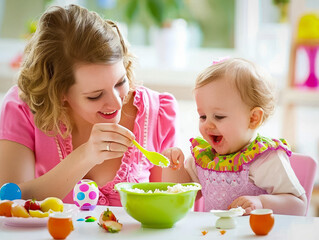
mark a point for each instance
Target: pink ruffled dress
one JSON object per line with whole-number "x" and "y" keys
{"x": 226, "y": 177}
{"x": 154, "y": 128}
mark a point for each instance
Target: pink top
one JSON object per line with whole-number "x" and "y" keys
{"x": 154, "y": 128}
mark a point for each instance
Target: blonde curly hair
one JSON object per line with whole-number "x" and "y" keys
{"x": 65, "y": 37}
{"x": 253, "y": 83}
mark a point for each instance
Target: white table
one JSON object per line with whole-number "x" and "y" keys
{"x": 190, "y": 227}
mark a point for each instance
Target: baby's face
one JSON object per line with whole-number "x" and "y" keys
{"x": 224, "y": 117}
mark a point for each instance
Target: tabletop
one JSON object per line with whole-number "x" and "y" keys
{"x": 190, "y": 227}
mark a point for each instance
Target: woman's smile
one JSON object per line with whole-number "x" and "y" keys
{"x": 108, "y": 115}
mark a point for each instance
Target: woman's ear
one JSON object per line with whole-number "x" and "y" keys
{"x": 256, "y": 117}
{"x": 64, "y": 100}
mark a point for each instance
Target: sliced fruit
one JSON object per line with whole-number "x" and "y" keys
{"x": 19, "y": 211}
{"x": 5, "y": 208}
{"x": 53, "y": 203}
{"x": 107, "y": 215}
{"x": 38, "y": 213}
{"x": 112, "y": 226}
{"x": 109, "y": 222}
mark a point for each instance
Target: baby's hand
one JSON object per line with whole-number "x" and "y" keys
{"x": 248, "y": 203}
{"x": 176, "y": 157}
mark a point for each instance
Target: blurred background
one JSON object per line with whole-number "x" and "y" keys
{"x": 175, "y": 39}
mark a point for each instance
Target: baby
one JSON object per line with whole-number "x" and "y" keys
{"x": 235, "y": 165}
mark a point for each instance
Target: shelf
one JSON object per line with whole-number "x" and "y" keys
{"x": 309, "y": 97}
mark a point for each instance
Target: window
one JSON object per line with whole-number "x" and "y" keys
{"x": 210, "y": 23}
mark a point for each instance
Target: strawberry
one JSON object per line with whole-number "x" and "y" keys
{"x": 112, "y": 226}
{"x": 107, "y": 215}
{"x": 109, "y": 222}
{"x": 32, "y": 204}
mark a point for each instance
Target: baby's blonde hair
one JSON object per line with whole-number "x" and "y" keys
{"x": 253, "y": 84}
{"x": 66, "y": 36}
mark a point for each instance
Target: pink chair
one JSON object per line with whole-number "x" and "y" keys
{"x": 305, "y": 169}
{"x": 199, "y": 205}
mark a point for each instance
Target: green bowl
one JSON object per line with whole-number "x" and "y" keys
{"x": 156, "y": 210}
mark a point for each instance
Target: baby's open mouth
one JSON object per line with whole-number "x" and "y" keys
{"x": 217, "y": 139}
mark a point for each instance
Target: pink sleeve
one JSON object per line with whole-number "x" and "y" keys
{"x": 167, "y": 121}
{"x": 16, "y": 121}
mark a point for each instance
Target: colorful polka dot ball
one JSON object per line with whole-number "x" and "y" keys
{"x": 86, "y": 194}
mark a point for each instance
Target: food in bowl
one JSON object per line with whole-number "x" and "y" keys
{"x": 155, "y": 204}
{"x": 177, "y": 188}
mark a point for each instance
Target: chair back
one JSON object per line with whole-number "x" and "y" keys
{"x": 305, "y": 168}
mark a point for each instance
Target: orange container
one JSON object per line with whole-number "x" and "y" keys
{"x": 261, "y": 221}
{"x": 60, "y": 225}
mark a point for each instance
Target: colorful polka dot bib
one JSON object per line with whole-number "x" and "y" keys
{"x": 207, "y": 158}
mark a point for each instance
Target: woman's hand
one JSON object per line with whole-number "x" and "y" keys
{"x": 176, "y": 157}
{"x": 107, "y": 141}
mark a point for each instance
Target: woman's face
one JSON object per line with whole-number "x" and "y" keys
{"x": 98, "y": 93}
{"x": 224, "y": 117}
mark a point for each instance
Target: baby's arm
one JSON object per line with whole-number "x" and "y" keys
{"x": 285, "y": 203}
{"x": 176, "y": 172}
{"x": 280, "y": 203}
{"x": 274, "y": 174}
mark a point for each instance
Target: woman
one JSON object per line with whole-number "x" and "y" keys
{"x": 76, "y": 111}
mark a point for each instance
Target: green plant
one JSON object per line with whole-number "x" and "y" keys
{"x": 158, "y": 11}
{"x": 283, "y": 8}
{"x": 278, "y": 2}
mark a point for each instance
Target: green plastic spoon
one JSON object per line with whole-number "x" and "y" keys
{"x": 154, "y": 157}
